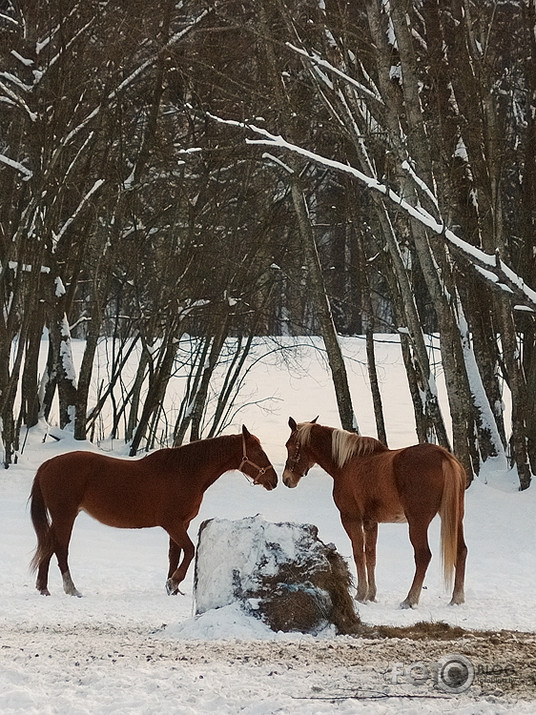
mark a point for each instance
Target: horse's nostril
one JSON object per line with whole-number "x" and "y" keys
{"x": 288, "y": 482}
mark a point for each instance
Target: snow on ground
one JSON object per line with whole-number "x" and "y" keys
{"x": 127, "y": 647}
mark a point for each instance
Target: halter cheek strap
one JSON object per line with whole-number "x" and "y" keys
{"x": 293, "y": 461}
{"x": 247, "y": 460}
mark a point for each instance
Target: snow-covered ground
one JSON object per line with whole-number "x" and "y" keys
{"x": 127, "y": 647}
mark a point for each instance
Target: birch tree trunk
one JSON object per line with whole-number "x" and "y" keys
{"x": 434, "y": 267}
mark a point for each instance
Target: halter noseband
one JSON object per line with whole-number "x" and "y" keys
{"x": 247, "y": 460}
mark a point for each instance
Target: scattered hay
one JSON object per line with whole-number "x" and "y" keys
{"x": 423, "y": 630}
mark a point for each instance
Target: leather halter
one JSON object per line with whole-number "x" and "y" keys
{"x": 247, "y": 460}
{"x": 292, "y": 462}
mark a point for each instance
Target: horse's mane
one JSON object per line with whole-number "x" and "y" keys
{"x": 344, "y": 445}
{"x": 174, "y": 457}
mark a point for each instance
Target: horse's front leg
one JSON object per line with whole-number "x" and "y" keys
{"x": 354, "y": 528}
{"x": 174, "y": 555}
{"x": 183, "y": 542}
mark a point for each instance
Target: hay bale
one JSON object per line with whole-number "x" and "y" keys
{"x": 280, "y": 573}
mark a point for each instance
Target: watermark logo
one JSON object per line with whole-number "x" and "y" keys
{"x": 453, "y": 673}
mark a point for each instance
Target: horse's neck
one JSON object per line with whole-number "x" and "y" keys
{"x": 321, "y": 448}
{"x": 213, "y": 457}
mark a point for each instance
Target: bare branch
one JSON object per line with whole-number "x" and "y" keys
{"x": 506, "y": 278}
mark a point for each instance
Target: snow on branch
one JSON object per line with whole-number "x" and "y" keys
{"x": 113, "y": 95}
{"x": 320, "y": 62}
{"x": 17, "y": 166}
{"x": 25, "y": 267}
{"x": 10, "y": 77}
{"x": 17, "y": 100}
{"x": 276, "y": 160}
{"x": 27, "y": 62}
{"x": 421, "y": 185}
{"x": 507, "y": 279}
{"x": 80, "y": 206}
{"x": 39, "y": 74}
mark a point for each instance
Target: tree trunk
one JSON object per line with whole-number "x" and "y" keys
{"x": 321, "y": 303}
{"x": 200, "y": 400}
{"x": 158, "y": 382}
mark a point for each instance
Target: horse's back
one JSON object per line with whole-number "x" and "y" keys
{"x": 117, "y": 492}
{"x": 65, "y": 470}
{"x": 99, "y": 467}
{"x": 73, "y": 467}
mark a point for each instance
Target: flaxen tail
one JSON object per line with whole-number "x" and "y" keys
{"x": 451, "y": 513}
{"x": 41, "y": 524}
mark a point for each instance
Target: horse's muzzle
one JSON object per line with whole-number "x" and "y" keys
{"x": 290, "y": 478}
{"x": 271, "y": 484}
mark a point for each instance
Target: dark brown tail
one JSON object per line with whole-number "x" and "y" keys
{"x": 42, "y": 526}
{"x": 451, "y": 513}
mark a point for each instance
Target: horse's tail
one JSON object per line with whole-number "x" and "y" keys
{"x": 451, "y": 513}
{"x": 41, "y": 524}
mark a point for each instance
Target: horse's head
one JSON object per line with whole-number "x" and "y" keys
{"x": 255, "y": 464}
{"x": 299, "y": 459}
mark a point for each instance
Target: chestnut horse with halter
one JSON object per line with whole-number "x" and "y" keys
{"x": 373, "y": 484}
{"x": 163, "y": 489}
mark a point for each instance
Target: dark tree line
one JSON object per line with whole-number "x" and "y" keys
{"x": 269, "y": 168}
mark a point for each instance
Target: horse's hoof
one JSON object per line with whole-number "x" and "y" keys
{"x": 172, "y": 588}
{"x": 407, "y": 604}
{"x": 44, "y": 592}
{"x": 69, "y": 587}
{"x": 74, "y": 592}
{"x": 457, "y": 602}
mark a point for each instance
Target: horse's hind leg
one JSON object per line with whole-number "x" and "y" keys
{"x": 42, "y": 576}
{"x": 418, "y": 534}
{"x": 63, "y": 527}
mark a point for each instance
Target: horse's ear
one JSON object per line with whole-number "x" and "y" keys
{"x": 245, "y": 431}
{"x": 292, "y": 424}
{"x": 315, "y": 419}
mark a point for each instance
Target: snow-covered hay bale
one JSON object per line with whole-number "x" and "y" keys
{"x": 280, "y": 573}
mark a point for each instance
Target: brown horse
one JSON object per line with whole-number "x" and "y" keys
{"x": 374, "y": 484}
{"x": 164, "y": 489}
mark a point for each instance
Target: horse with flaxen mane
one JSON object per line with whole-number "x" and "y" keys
{"x": 163, "y": 489}
{"x": 373, "y": 484}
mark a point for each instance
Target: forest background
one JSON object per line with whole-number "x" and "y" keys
{"x": 180, "y": 178}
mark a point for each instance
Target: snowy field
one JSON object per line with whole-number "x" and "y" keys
{"x": 127, "y": 647}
